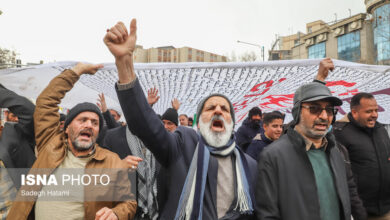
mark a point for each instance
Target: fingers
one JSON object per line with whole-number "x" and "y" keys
{"x": 132, "y": 161}
{"x": 111, "y": 37}
{"x": 100, "y": 213}
{"x": 86, "y": 68}
{"x": 105, "y": 214}
{"x": 100, "y": 107}
{"x": 133, "y": 28}
{"x": 122, "y": 29}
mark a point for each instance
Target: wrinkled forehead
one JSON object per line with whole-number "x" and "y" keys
{"x": 216, "y": 100}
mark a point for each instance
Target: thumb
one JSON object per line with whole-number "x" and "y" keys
{"x": 133, "y": 27}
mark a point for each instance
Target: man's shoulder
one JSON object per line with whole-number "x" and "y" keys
{"x": 186, "y": 131}
{"x": 278, "y": 147}
{"x": 116, "y": 131}
{"x": 112, "y": 159}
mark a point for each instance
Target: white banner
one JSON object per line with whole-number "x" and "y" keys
{"x": 269, "y": 85}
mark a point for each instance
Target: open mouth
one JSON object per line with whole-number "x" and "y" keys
{"x": 217, "y": 125}
{"x": 85, "y": 134}
{"x": 321, "y": 126}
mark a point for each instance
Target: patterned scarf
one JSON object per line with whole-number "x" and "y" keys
{"x": 191, "y": 198}
{"x": 146, "y": 176}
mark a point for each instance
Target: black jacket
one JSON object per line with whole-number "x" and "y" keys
{"x": 17, "y": 139}
{"x": 257, "y": 146}
{"x": 115, "y": 141}
{"x": 369, "y": 152}
{"x": 357, "y": 209}
{"x": 246, "y": 132}
{"x": 174, "y": 151}
{"x": 286, "y": 187}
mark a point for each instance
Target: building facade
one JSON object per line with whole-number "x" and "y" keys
{"x": 170, "y": 54}
{"x": 362, "y": 38}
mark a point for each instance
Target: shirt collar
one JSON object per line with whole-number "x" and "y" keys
{"x": 309, "y": 144}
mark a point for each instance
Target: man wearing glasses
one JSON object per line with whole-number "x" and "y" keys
{"x": 302, "y": 175}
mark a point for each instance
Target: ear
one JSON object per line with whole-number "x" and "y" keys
{"x": 67, "y": 130}
{"x": 354, "y": 112}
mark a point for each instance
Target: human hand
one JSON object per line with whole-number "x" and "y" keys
{"x": 132, "y": 161}
{"x": 153, "y": 96}
{"x": 105, "y": 214}
{"x": 119, "y": 41}
{"x": 102, "y": 103}
{"x": 323, "y": 70}
{"x": 175, "y": 104}
{"x": 86, "y": 68}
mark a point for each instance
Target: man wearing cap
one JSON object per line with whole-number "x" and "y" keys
{"x": 74, "y": 147}
{"x": 209, "y": 177}
{"x": 302, "y": 175}
{"x": 170, "y": 119}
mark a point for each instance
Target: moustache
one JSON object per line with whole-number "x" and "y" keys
{"x": 321, "y": 122}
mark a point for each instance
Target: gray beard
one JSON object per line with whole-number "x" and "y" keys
{"x": 215, "y": 139}
{"x": 82, "y": 146}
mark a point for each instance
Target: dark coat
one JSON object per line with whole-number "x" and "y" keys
{"x": 115, "y": 141}
{"x": 369, "y": 151}
{"x": 109, "y": 120}
{"x": 17, "y": 139}
{"x": 174, "y": 151}
{"x": 258, "y": 145}
{"x": 357, "y": 209}
{"x": 246, "y": 132}
{"x": 286, "y": 187}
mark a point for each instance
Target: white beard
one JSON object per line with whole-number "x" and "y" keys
{"x": 216, "y": 139}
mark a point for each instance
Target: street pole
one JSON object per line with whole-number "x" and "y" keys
{"x": 256, "y": 45}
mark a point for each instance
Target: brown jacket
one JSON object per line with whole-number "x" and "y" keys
{"x": 50, "y": 143}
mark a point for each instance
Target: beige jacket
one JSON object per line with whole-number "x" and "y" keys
{"x": 51, "y": 147}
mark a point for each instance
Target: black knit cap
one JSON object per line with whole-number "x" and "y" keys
{"x": 201, "y": 104}
{"x": 83, "y": 107}
{"x": 171, "y": 115}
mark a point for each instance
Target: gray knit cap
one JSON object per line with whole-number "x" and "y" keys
{"x": 201, "y": 104}
{"x": 310, "y": 92}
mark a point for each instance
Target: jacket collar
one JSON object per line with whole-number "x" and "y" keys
{"x": 298, "y": 141}
{"x": 99, "y": 153}
{"x": 356, "y": 124}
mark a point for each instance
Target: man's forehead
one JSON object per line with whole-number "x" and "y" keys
{"x": 91, "y": 115}
{"x": 216, "y": 100}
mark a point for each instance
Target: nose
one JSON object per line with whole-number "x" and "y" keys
{"x": 218, "y": 110}
{"x": 88, "y": 124}
{"x": 323, "y": 114}
{"x": 374, "y": 114}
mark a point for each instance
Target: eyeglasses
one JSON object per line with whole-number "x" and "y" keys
{"x": 317, "y": 110}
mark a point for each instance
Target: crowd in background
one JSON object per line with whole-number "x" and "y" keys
{"x": 313, "y": 167}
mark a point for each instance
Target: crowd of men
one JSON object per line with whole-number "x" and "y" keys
{"x": 172, "y": 167}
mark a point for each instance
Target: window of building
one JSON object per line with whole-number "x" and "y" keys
{"x": 348, "y": 46}
{"x": 317, "y": 51}
{"x": 382, "y": 32}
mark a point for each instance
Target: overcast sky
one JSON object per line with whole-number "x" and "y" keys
{"x": 71, "y": 30}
